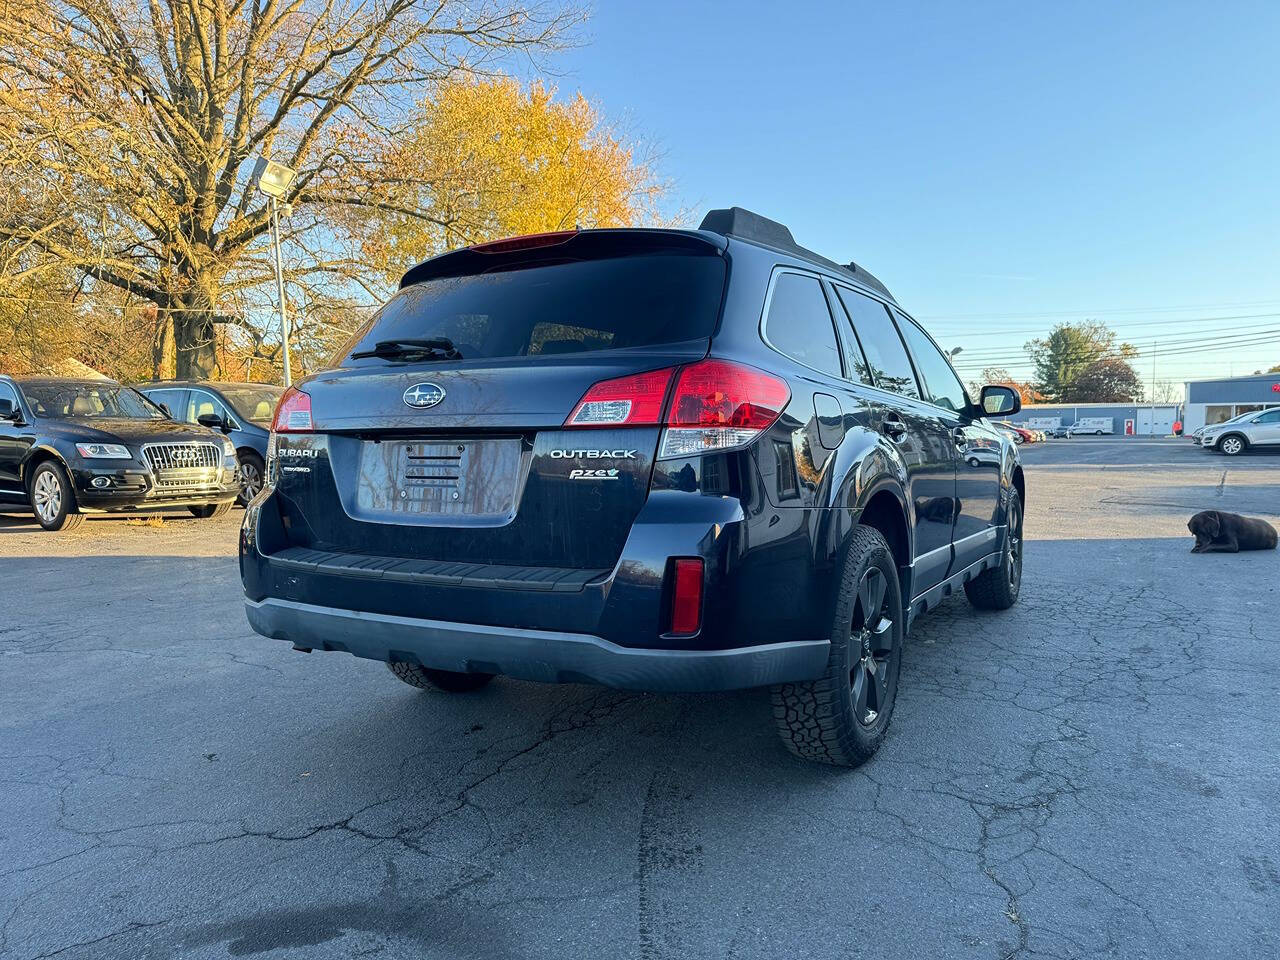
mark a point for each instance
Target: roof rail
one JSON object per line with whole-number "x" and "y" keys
{"x": 746, "y": 225}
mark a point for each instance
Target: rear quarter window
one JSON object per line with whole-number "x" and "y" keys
{"x": 798, "y": 323}
{"x": 558, "y": 308}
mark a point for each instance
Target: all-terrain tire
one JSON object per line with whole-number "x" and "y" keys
{"x": 998, "y": 588}
{"x": 826, "y": 719}
{"x": 53, "y": 499}
{"x": 425, "y": 678}
{"x": 210, "y": 511}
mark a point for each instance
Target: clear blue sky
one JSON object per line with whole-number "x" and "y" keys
{"x": 1050, "y": 161}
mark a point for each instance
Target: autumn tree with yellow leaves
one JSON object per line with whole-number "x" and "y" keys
{"x": 489, "y": 159}
{"x": 128, "y": 133}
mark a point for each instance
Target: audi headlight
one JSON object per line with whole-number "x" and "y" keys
{"x": 104, "y": 451}
{"x": 228, "y": 447}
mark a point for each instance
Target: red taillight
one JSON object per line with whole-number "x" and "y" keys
{"x": 686, "y": 595}
{"x": 528, "y": 242}
{"x": 718, "y": 405}
{"x": 717, "y": 393}
{"x": 634, "y": 401}
{"x": 715, "y": 405}
{"x": 293, "y": 413}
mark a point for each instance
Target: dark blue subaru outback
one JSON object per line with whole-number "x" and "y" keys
{"x": 669, "y": 460}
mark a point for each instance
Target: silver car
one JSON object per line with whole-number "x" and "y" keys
{"x": 1261, "y": 428}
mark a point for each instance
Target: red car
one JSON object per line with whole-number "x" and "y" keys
{"x": 1023, "y": 435}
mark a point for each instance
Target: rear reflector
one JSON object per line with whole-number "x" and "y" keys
{"x": 686, "y": 595}
{"x": 528, "y": 242}
{"x": 634, "y": 401}
{"x": 293, "y": 413}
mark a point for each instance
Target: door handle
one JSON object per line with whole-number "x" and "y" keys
{"x": 894, "y": 428}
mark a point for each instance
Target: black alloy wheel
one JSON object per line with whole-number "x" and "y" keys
{"x": 997, "y": 588}
{"x": 873, "y": 679}
{"x": 1014, "y": 545}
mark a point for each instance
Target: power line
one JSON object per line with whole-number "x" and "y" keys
{"x": 1181, "y": 351}
{"x": 1251, "y": 337}
{"x": 1258, "y": 328}
{"x": 1007, "y": 331}
{"x": 1085, "y": 360}
{"x": 1113, "y": 311}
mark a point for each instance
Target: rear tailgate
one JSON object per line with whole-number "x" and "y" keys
{"x": 469, "y": 460}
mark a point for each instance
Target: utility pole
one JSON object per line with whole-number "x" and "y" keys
{"x": 1154, "y": 346}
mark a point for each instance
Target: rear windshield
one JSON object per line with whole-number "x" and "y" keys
{"x": 559, "y": 308}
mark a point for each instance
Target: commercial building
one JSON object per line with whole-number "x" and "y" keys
{"x": 1213, "y": 401}
{"x": 1137, "y": 419}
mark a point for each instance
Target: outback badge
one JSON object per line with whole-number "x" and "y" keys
{"x": 423, "y": 395}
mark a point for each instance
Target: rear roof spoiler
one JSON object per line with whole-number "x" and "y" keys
{"x": 564, "y": 245}
{"x": 748, "y": 225}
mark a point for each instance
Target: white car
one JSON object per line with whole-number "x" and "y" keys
{"x": 1260, "y": 428}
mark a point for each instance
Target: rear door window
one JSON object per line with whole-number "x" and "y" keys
{"x": 201, "y": 404}
{"x": 643, "y": 300}
{"x": 942, "y": 386}
{"x": 799, "y": 323}
{"x": 887, "y": 357}
{"x": 175, "y": 400}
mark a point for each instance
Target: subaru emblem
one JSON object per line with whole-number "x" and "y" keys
{"x": 424, "y": 395}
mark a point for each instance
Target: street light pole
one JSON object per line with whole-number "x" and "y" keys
{"x": 274, "y": 179}
{"x": 284, "y": 312}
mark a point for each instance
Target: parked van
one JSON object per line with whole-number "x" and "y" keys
{"x": 1095, "y": 425}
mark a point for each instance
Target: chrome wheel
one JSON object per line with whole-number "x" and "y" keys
{"x": 1232, "y": 446}
{"x": 46, "y": 496}
{"x": 872, "y": 678}
{"x": 250, "y": 480}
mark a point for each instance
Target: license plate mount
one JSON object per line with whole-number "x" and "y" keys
{"x": 464, "y": 480}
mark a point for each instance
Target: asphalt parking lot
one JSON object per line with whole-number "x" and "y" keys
{"x": 1094, "y": 773}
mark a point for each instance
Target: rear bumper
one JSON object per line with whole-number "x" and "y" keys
{"x": 544, "y": 655}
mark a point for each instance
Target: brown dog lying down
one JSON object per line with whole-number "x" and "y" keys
{"x": 1218, "y": 532}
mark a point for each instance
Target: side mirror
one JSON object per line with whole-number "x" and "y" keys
{"x": 6, "y": 409}
{"x": 997, "y": 400}
{"x": 213, "y": 422}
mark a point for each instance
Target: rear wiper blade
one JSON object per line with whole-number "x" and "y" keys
{"x": 437, "y": 348}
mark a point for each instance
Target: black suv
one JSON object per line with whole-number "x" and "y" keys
{"x": 70, "y": 447}
{"x": 669, "y": 460}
